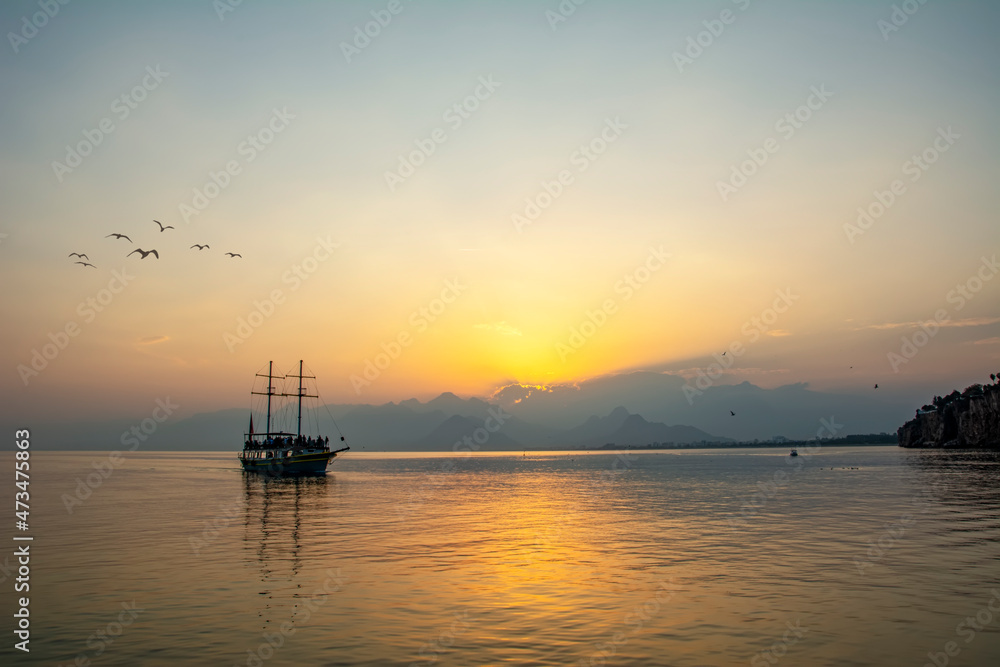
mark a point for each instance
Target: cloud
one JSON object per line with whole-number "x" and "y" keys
{"x": 985, "y": 341}
{"x": 515, "y": 393}
{"x": 689, "y": 373}
{"x": 779, "y": 332}
{"x": 152, "y": 340}
{"x": 501, "y": 328}
{"x": 966, "y": 322}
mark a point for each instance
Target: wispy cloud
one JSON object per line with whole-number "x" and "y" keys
{"x": 152, "y": 340}
{"x": 689, "y": 373}
{"x": 964, "y": 322}
{"x": 501, "y": 328}
{"x": 985, "y": 341}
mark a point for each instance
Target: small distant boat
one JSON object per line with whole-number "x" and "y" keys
{"x": 793, "y": 452}
{"x": 284, "y": 453}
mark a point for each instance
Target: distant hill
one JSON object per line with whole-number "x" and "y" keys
{"x": 587, "y": 414}
{"x": 598, "y": 428}
{"x": 636, "y": 431}
{"x": 793, "y": 410}
{"x": 456, "y": 428}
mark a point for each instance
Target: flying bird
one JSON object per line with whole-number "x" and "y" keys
{"x": 86, "y": 264}
{"x": 732, "y": 414}
{"x": 78, "y": 254}
{"x": 235, "y": 254}
{"x": 119, "y": 236}
{"x": 162, "y": 228}
{"x": 876, "y": 385}
{"x": 724, "y": 353}
{"x": 200, "y": 247}
{"x": 144, "y": 253}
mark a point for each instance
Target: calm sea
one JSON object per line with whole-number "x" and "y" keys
{"x": 849, "y": 556}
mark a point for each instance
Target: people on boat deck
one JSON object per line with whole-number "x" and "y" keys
{"x": 288, "y": 441}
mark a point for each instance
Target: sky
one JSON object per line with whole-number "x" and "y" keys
{"x": 479, "y": 194}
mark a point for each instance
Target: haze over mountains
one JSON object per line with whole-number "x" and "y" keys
{"x": 632, "y": 409}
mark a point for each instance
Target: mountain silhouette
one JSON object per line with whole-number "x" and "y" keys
{"x": 589, "y": 414}
{"x": 622, "y": 428}
{"x": 456, "y": 428}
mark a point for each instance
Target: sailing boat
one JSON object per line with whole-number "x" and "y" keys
{"x": 281, "y": 452}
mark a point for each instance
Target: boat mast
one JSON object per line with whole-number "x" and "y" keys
{"x": 301, "y": 394}
{"x": 298, "y": 429}
{"x": 269, "y": 394}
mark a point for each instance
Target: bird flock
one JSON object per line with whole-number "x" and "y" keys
{"x": 141, "y": 252}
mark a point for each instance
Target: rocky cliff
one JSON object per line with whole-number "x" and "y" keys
{"x": 967, "y": 420}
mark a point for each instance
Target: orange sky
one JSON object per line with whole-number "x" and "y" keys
{"x": 636, "y": 256}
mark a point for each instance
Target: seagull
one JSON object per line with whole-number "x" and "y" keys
{"x": 732, "y": 414}
{"x": 162, "y": 228}
{"x": 200, "y": 247}
{"x": 235, "y": 254}
{"x": 724, "y": 353}
{"x": 86, "y": 264}
{"x": 119, "y": 236}
{"x": 876, "y": 385}
{"x": 78, "y": 254}
{"x": 144, "y": 253}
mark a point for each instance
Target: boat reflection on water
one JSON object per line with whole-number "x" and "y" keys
{"x": 283, "y": 539}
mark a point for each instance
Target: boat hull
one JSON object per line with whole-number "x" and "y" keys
{"x": 297, "y": 464}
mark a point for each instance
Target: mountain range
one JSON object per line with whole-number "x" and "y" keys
{"x": 630, "y": 409}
